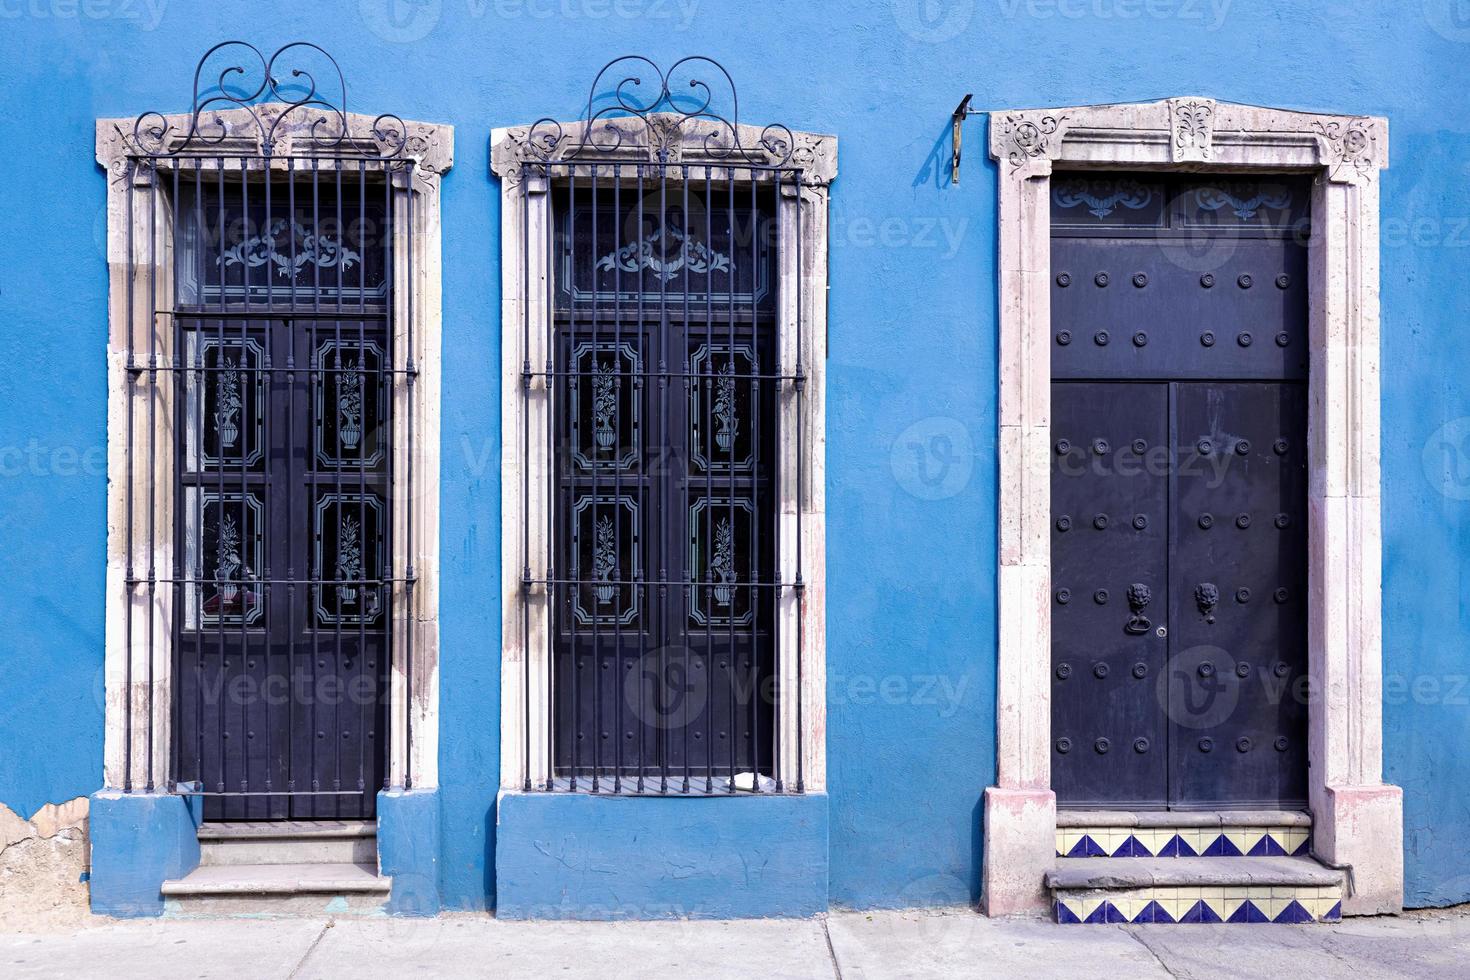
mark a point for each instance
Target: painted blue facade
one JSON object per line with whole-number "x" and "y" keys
{"x": 911, "y": 452}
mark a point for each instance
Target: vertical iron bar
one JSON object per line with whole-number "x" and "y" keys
{"x": 526, "y": 476}
{"x": 153, "y": 266}
{"x": 362, "y": 656}
{"x": 288, "y": 330}
{"x": 681, "y": 470}
{"x": 171, "y": 772}
{"x": 412, "y": 378}
{"x": 243, "y": 596}
{"x": 714, "y": 381}
{"x": 384, "y": 750}
{"x": 268, "y": 572}
{"x": 131, "y": 588}
{"x": 642, "y": 648}
{"x": 617, "y": 447}
{"x": 704, "y": 435}
{"x": 640, "y": 623}
{"x": 550, "y": 421}
{"x": 559, "y": 462}
{"x": 771, "y": 599}
{"x": 316, "y": 594}
{"x": 219, "y": 479}
{"x": 753, "y": 538}
{"x": 800, "y": 482}
{"x": 195, "y": 588}
{"x": 660, "y": 692}
{"x": 338, "y": 374}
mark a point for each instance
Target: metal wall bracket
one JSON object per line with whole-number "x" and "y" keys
{"x": 960, "y": 112}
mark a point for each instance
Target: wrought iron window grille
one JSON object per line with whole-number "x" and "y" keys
{"x": 268, "y": 408}
{"x": 662, "y": 438}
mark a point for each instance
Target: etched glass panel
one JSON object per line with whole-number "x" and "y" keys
{"x": 642, "y": 247}
{"x": 606, "y": 407}
{"x": 606, "y": 550}
{"x": 312, "y": 245}
{"x": 348, "y": 414}
{"x": 1087, "y": 201}
{"x": 348, "y": 537}
{"x": 226, "y": 400}
{"x": 1261, "y": 203}
{"x": 723, "y": 410}
{"x": 722, "y": 565}
{"x": 225, "y": 548}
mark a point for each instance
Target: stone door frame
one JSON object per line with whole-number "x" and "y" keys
{"x": 1357, "y": 818}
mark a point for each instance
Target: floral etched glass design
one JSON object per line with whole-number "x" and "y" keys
{"x": 349, "y": 395}
{"x": 606, "y": 544}
{"x": 348, "y": 552}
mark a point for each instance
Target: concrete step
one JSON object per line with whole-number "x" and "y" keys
{"x": 289, "y": 842}
{"x": 1195, "y": 889}
{"x": 1212, "y": 833}
{"x": 277, "y": 889}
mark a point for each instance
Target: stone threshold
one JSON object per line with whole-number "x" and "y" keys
{"x": 1182, "y": 818}
{"x": 295, "y": 829}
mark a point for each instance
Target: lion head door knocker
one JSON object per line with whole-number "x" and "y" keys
{"x": 1207, "y": 597}
{"x": 1138, "y": 597}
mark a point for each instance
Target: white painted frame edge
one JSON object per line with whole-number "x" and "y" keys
{"x": 1357, "y": 818}
{"x": 525, "y": 225}
{"x": 431, "y": 147}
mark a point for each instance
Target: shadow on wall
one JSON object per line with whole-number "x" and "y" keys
{"x": 936, "y": 168}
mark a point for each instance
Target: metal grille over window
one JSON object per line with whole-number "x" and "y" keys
{"x": 269, "y": 434}
{"x": 664, "y": 384}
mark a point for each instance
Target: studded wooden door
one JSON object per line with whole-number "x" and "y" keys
{"x": 1179, "y": 417}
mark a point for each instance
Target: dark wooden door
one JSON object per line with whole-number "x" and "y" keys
{"x": 1179, "y": 416}
{"x": 285, "y": 529}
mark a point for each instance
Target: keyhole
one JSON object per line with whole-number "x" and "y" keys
{"x": 1162, "y": 631}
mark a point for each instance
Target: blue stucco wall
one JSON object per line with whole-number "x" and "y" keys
{"x": 139, "y": 841}
{"x": 578, "y": 856}
{"x": 911, "y": 452}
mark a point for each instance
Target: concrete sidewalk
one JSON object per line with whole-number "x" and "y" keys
{"x": 842, "y": 946}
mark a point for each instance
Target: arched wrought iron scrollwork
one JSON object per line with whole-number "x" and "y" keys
{"x": 271, "y": 90}
{"x": 662, "y": 113}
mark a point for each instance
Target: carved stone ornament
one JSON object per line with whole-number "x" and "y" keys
{"x": 1189, "y": 130}
{"x": 291, "y": 103}
{"x": 1192, "y": 124}
{"x": 638, "y": 113}
{"x": 1351, "y": 142}
{"x": 1027, "y": 137}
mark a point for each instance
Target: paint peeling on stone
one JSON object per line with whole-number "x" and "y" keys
{"x": 44, "y": 866}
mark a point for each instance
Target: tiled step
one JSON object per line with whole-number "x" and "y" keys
{"x": 1176, "y": 834}
{"x": 277, "y": 889}
{"x": 1174, "y": 890}
{"x": 289, "y": 842}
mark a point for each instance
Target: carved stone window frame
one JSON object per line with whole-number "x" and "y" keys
{"x": 1357, "y": 818}
{"x": 526, "y": 227}
{"x": 233, "y": 133}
